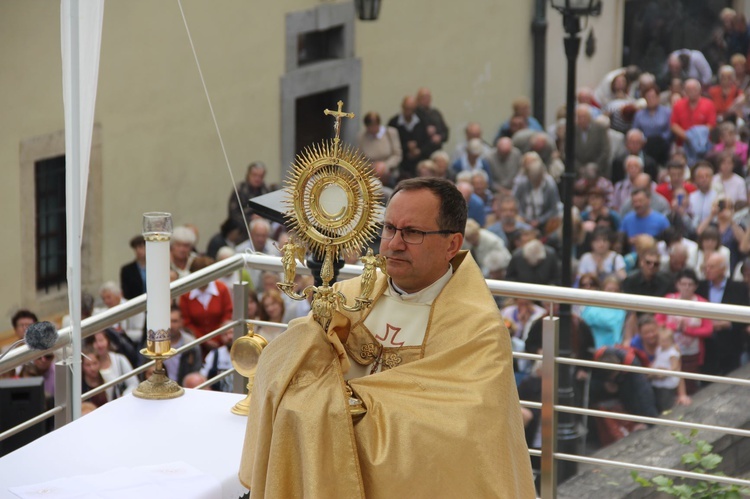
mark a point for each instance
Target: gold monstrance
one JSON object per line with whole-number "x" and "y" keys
{"x": 333, "y": 199}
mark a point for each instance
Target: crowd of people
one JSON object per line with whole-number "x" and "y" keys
{"x": 660, "y": 209}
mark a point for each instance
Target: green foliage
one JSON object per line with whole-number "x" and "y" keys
{"x": 700, "y": 460}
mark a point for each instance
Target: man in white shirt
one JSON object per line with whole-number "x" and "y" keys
{"x": 703, "y": 198}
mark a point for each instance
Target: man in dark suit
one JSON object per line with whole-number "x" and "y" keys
{"x": 592, "y": 142}
{"x": 724, "y": 348}
{"x": 133, "y": 275}
{"x": 415, "y": 141}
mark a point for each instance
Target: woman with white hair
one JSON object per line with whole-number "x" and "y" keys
{"x": 537, "y": 194}
{"x": 181, "y": 250}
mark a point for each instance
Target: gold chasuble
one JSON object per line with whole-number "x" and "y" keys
{"x": 443, "y": 419}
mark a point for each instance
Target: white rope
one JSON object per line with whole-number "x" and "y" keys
{"x": 216, "y": 124}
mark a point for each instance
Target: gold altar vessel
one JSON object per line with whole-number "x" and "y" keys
{"x": 333, "y": 199}
{"x": 245, "y": 353}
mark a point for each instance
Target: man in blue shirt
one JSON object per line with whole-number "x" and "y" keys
{"x": 643, "y": 220}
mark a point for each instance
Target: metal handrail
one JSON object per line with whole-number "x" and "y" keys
{"x": 552, "y": 294}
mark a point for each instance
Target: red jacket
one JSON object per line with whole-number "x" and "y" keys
{"x": 202, "y": 320}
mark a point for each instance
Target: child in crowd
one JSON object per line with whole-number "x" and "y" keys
{"x": 667, "y": 357}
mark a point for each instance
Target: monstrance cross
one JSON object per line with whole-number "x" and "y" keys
{"x": 337, "y": 126}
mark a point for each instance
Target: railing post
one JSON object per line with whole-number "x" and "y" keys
{"x": 550, "y": 330}
{"x": 63, "y": 393}
{"x": 239, "y": 313}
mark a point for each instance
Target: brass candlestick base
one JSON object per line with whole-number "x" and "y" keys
{"x": 158, "y": 386}
{"x": 245, "y": 353}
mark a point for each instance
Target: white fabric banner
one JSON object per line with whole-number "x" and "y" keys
{"x": 80, "y": 78}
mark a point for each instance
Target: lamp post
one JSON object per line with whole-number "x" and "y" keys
{"x": 367, "y": 10}
{"x": 567, "y": 434}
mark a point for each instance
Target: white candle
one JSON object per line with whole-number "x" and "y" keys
{"x": 157, "y": 229}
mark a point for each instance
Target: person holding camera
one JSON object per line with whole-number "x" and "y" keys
{"x": 730, "y": 232}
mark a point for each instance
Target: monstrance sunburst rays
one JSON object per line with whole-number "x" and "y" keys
{"x": 332, "y": 199}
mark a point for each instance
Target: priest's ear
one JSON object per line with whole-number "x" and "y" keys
{"x": 455, "y": 242}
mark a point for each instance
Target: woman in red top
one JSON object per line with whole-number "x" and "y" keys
{"x": 207, "y": 308}
{"x": 689, "y": 332}
{"x": 726, "y": 92}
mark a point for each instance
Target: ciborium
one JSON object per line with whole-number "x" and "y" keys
{"x": 245, "y": 353}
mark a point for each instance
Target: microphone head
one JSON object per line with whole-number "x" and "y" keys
{"x": 41, "y": 336}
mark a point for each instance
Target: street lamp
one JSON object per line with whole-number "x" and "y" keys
{"x": 367, "y": 10}
{"x": 567, "y": 434}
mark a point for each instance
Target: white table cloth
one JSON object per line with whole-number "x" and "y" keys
{"x": 197, "y": 429}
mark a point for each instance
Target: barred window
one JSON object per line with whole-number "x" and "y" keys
{"x": 51, "y": 249}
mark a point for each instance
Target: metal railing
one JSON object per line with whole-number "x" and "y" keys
{"x": 550, "y": 357}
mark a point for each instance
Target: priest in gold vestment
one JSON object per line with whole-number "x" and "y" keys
{"x": 430, "y": 360}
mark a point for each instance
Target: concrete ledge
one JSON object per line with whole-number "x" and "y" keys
{"x": 717, "y": 404}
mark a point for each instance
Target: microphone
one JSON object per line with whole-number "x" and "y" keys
{"x": 41, "y": 336}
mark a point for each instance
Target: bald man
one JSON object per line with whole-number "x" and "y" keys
{"x": 415, "y": 141}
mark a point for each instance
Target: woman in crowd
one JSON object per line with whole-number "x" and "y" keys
{"x": 271, "y": 310}
{"x": 606, "y": 323}
{"x": 112, "y": 365}
{"x": 689, "y": 332}
{"x": 709, "y": 241}
{"x": 601, "y": 261}
{"x": 91, "y": 377}
{"x": 207, "y": 308}
{"x": 522, "y": 314}
{"x": 729, "y": 144}
{"x": 730, "y": 232}
{"x": 727, "y": 182}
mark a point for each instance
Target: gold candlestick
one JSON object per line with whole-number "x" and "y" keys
{"x": 158, "y": 386}
{"x": 157, "y": 230}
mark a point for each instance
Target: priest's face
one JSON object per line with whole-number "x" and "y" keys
{"x": 413, "y": 267}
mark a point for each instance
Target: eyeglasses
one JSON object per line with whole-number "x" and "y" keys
{"x": 650, "y": 263}
{"x": 409, "y": 235}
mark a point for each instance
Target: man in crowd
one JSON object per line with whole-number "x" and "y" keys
{"x": 508, "y": 226}
{"x": 260, "y": 237}
{"x": 592, "y": 141}
{"x": 437, "y": 129}
{"x": 691, "y": 111}
{"x": 504, "y": 163}
{"x": 656, "y": 201}
{"x": 434, "y": 321}
{"x": 415, "y": 141}
{"x": 702, "y": 199}
{"x": 634, "y": 143}
{"x": 643, "y": 220}
{"x": 473, "y": 130}
{"x": 724, "y": 348}
{"x": 133, "y": 274}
